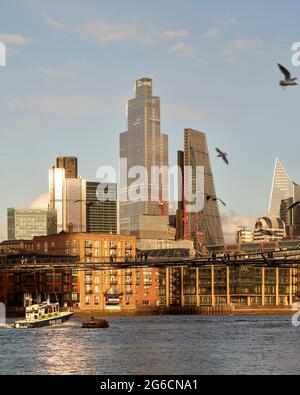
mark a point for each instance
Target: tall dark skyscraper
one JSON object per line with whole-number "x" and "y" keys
{"x": 206, "y": 224}
{"x": 143, "y": 145}
{"x": 70, "y": 164}
{"x": 101, "y": 215}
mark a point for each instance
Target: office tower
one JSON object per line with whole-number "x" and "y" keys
{"x": 283, "y": 188}
{"x": 291, "y": 218}
{"x": 206, "y": 224}
{"x": 75, "y": 205}
{"x": 143, "y": 145}
{"x": 70, "y": 164}
{"x": 244, "y": 236}
{"x": 68, "y": 197}
{"x": 269, "y": 228}
{"x": 56, "y": 195}
{"x": 101, "y": 208}
{"x": 180, "y": 210}
{"x": 25, "y": 224}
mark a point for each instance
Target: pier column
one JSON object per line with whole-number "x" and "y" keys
{"x": 228, "y": 285}
{"x": 291, "y": 287}
{"x": 213, "y": 297}
{"x": 197, "y": 287}
{"x": 182, "y": 286}
{"x": 263, "y": 280}
{"x": 167, "y": 287}
{"x": 277, "y": 286}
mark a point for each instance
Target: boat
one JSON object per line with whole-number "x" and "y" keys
{"x": 44, "y": 314}
{"x": 94, "y": 323}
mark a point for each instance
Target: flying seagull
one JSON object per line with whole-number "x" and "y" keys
{"x": 223, "y": 155}
{"x": 288, "y": 81}
{"x": 294, "y": 205}
{"x": 215, "y": 199}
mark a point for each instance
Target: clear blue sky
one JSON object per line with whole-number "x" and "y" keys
{"x": 72, "y": 65}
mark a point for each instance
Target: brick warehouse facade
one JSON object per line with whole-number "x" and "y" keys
{"x": 111, "y": 291}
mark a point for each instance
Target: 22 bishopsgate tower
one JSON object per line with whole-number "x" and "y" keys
{"x": 143, "y": 145}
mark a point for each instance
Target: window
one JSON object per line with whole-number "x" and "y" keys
{"x": 87, "y": 299}
{"x": 67, "y": 252}
{"x": 97, "y": 253}
{"x": 75, "y": 243}
{"x": 146, "y": 303}
{"x": 97, "y": 244}
{"x": 97, "y": 289}
{"x": 97, "y": 300}
{"x": 53, "y": 244}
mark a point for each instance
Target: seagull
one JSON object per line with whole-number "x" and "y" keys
{"x": 215, "y": 199}
{"x": 294, "y": 205}
{"x": 223, "y": 155}
{"x": 288, "y": 81}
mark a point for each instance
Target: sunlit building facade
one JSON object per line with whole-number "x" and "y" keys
{"x": 143, "y": 145}
{"x": 75, "y": 205}
{"x": 204, "y": 225}
{"x": 25, "y": 224}
{"x": 282, "y": 188}
{"x": 56, "y": 195}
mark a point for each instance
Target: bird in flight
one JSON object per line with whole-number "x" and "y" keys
{"x": 215, "y": 199}
{"x": 288, "y": 80}
{"x": 293, "y": 205}
{"x": 223, "y": 155}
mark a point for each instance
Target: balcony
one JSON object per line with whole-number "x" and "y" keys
{"x": 89, "y": 292}
{"x": 113, "y": 246}
{"x": 128, "y": 282}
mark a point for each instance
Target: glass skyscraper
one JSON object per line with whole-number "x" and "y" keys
{"x": 282, "y": 188}
{"x": 143, "y": 145}
{"x": 202, "y": 227}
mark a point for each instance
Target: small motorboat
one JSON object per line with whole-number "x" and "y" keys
{"x": 94, "y": 323}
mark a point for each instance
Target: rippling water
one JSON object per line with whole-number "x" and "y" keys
{"x": 156, "y": 345}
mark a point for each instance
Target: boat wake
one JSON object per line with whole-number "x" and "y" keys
{"x": 5, "y": 326}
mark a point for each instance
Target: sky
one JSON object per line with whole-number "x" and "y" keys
{"x": 71, "y": 67}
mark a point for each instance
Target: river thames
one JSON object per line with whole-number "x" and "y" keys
{"x": 156, "y": 345}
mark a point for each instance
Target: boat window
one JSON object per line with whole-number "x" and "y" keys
{"x": 46, "y": 310}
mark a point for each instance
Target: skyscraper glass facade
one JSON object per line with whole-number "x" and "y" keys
{"x": 204, "y": 226}
{"x": 143, "y": 145}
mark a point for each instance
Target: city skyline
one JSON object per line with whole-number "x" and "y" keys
{"x": 226, "y": 44}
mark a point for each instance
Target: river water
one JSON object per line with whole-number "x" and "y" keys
{"x": 156, "y": 345}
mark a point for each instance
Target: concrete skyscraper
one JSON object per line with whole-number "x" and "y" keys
{"x": 202, "y": 227}
{"x": 101, "y": 214}
{"x": 143, "y": 145}
{"x": 68, "y": 196}
{"x": 70, "y": 164}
